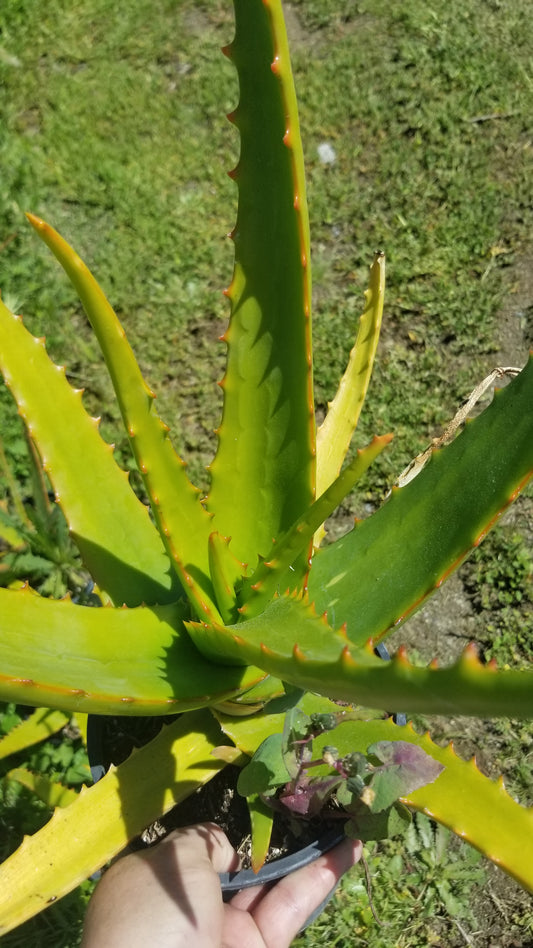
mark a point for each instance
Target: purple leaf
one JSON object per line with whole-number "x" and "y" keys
{"x": 405, "y": 768}
{"x": 308, "y": 797}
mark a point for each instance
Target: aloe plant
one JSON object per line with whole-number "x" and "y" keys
{"x": 223, "y": 610}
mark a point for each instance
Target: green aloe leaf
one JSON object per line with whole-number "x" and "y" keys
{"x": 290, "y": 641}
{"x": 118, "y": 542}
{"x": 280, "y": 570}
{"x": 117, "y": 661}
{"x": 263, "y": 472}
{"x": 261, "y": 822}
{"x": 378, "y": 574}
{"x": 183, "y": 523}
{"x": 226, "y": 572}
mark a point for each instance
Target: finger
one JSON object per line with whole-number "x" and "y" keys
{"x": 239, "y": 930}
{"x": 203, "y": 841}
{"x": 282, "y": 912}
{"x": 248, "y": 899}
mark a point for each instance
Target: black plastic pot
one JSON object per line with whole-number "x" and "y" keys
{"x": 231, "y": 882}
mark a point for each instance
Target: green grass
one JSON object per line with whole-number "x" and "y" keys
{"x": 119, "y": 139}
{"x": 112, "y": 128}
{"x": 420, "y": 888}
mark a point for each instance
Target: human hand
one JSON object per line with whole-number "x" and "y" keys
{"x": 170, "y": 897}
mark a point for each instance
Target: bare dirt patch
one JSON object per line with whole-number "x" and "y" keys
{"x": 515, "y": 326}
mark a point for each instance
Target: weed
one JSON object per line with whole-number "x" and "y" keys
{"x": 432, "y": 879}
{"x": 501, "y": 571}
{"x": 35, "y": 545}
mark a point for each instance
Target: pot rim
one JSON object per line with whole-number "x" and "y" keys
{"x": 232, "y": 882}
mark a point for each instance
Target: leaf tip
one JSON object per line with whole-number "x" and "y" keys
{"x": 36, "y": 222}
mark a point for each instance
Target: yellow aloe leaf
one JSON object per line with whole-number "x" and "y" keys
{"x": 82, "y": 837}
{"x": 335, "y": 433}
{"x": 80, "y": 719}
{"x": 49, "y": 791}
{"x": 42, "y": 723}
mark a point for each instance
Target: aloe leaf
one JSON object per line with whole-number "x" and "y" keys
{"x": 290, "y": 641}
{"x": 225, "y": 571}
{"x": 80, "y": 721}
{"x": 477, "y": 809}
{"x": 49, "y": 791}
{"x": 183, "y": 523}
{"x": 249, "y": 702}
{"x": 378, "y": 574}
{"x": 272, "y": 572}
{"x": 42, "y": 723}
{"x": 247, "y": 733}
{"x": 102, "y": 820}
{"x": 263, "y": 472}
{"x": 111, "y": 527}
{"x": 115, "y": 661}
{"x": 261, "y": 821}
{"x": 335, "y": 433}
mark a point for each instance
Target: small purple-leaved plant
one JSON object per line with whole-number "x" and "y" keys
{"x": 297, "y": 771}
